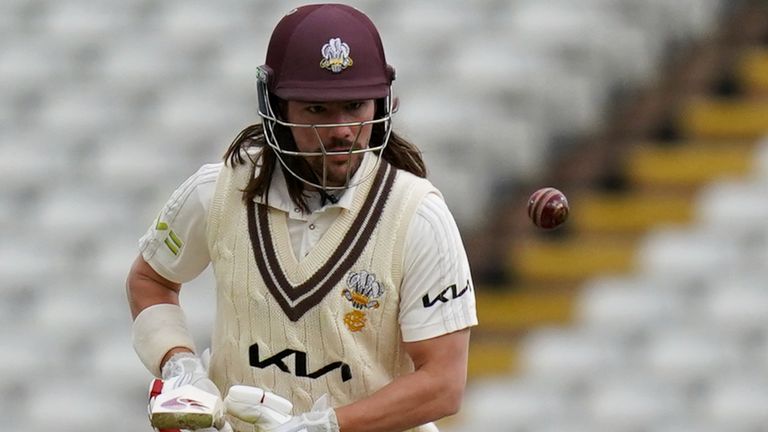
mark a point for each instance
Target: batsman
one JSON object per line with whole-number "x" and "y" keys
{"x": 344, "y": 298}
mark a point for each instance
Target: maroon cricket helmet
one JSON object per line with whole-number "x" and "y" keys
{"x": 325, "y": 53}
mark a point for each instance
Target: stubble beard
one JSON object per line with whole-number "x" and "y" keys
{"x": 338, "y": 172}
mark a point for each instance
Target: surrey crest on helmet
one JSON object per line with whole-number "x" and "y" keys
{"x": 335, "y": 56}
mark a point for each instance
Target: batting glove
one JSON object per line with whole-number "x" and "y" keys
{"x": 322, "y": 418}
{"x": 263, "y": 409}
{"x": 185, "y": 398}
{"x": 269, "y": 412}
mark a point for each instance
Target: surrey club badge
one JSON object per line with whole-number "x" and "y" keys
{"x": 335, "y": 56}
{"x": 362, "y": 291}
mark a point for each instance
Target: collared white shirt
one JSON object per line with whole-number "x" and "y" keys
{"x": 175, "y": 245}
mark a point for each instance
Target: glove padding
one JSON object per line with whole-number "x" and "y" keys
{"x": 263, "y": 409}
{"x": 225, "y": 428}
{"x": 322, "y": 418}
{"x": 185, "y": 398}
{"x": 270, "y": 413}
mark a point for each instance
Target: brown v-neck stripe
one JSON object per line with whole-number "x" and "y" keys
{"x": 340, "y": 262}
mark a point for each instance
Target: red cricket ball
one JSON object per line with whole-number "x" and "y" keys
{"x": 548, "y": 208}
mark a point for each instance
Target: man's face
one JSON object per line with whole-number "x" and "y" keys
{"x": 334, "y": 139}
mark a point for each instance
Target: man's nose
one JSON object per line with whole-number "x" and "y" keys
{"x": 345, "y": 131}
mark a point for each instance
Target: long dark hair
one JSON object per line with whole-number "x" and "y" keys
{"x": 399, "y": 152}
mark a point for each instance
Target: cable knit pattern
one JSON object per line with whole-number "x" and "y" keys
{"x": 347, "y": 343}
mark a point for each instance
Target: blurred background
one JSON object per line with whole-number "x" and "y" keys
{"x": 647, "y": 311}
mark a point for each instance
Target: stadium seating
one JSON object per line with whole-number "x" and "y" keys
{"x": 686, "y": 320}
{"x": 571, "y": 260}
{"x": 109, "y": 105}
{"x": 736, "y": 401}
{"x": 688, "y": 164}
{"x": 754, "y": 70}
{"x": 630, "y": 307}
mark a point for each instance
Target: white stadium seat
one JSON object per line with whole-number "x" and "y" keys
{"x": 35, "y": 64}
{"x": 576, "y": 33}
{"x": 137, "y": 160}
{"x": 84, "y": 214}
{"x": 22, "y": 356}
{"x": 631, "y": 402}
{"x": 22, "y": 169}
{"x": 688, "y": 254}
{"x": 84, "y": 110}
{"x": 63, "y": 311}
{"x": 433, "y": 27}
{"x": 570, "y": 355}
{"x": 234, "y": 63}
{"x": 82, "y": 22}
{"x": 505, "y": 404}
{"x": 142, "y": 62}
{"x": 736, "y": 206}
{"x": 738, "y": 305}
{"x": 116, "y": 364}
{"x": 458, "y": 183}
{"x": 109, "y": 105}
{"x": 76, "y": 405}
{"x": 689, "y": 354}
{"x": 629, "y": 306}
{"x": 687, "y": 423}
{"x": 737, "y": 402}
{"x": 22, "y": 256}
{"x": 210, "y": 113}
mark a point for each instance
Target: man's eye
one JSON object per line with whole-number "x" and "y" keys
{"x": 354, "y": 106}
{"x": 315, "y": 109}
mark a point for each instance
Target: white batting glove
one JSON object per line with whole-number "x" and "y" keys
{"x": 322, "y": 418}
{"x": 269, "y": 412}
{"x": 185, "y": 398}
{"x": 263, "y": 409}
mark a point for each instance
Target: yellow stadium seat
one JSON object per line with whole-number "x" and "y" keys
{"x": 492, "y": 358}
{"x": 628, "y": 213}
{"x": 753, "y": 70}
{"x": 513, "y": 312}
{"x": 725, "y": 119}
{"x": 690, "y": 164}
{"x": 571, "y": 260}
